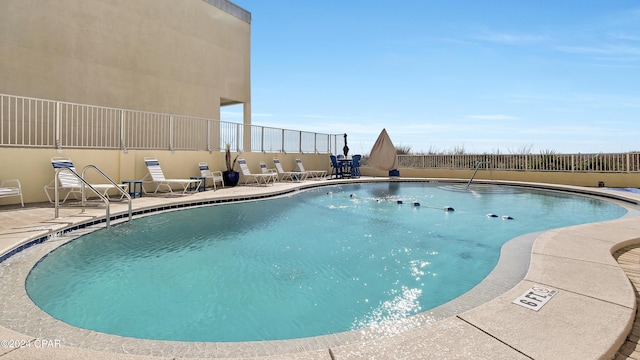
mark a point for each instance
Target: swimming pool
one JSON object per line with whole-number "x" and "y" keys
{"x": 302, "y": 256}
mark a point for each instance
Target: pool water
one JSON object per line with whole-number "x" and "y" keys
{"x": 326, "y": 260}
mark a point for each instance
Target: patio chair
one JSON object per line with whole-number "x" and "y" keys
{"x": 271, "y": 172}
{"x": 156, "y": 175}
{"x": 215, "y": 176}
{"x": 336, "y": 169}
{"x": 8, "y": 191}
{"x": 69, "y": 181}
{"x": 316, "y": 174}
{"x": 355, "y": 166}
{"x": 258, "y": 178}
{"x": 291, "y": 175}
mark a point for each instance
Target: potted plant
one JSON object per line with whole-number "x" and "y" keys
{"x": 230, "y": 176}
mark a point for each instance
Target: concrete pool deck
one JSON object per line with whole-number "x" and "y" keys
{"x": 590, "y": 317}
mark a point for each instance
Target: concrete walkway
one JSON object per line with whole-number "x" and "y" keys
{"x": 589, "y": 316}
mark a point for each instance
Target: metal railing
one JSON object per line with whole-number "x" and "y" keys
{"x": 31, "y": 122}
{"x": 596, "y": 163}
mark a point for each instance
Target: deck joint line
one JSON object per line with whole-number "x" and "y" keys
{"x": 493, "y": 337}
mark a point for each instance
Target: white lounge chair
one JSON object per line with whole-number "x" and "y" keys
{"x": 7, "y": 191}
{"x": 258, "y": 178}
{"x": 271, "y": 172}
{"x": 317, "y": 174}
{"x": 215, "y": 176}
{"x": 69, "y": 181}
{"x": 290, "y": 175}
{"x": 156, "y": 175}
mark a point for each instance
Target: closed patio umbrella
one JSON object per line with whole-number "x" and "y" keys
{"x": 383, "y": 154}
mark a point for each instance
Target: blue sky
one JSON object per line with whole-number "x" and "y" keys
{"x": 484, "y": 76}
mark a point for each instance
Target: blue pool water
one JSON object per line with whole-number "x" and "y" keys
{"x": 322, "y": 261}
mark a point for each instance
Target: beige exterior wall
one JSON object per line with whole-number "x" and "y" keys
{"x": 167, "y": 56}
{"x": 33, "y": 166}
{"x": 183, "y": 57}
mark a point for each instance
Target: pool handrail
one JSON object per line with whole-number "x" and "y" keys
{"x": 87, "y": 184}
{"x": 119, "y": 187}
{"x": 476, "y": 170}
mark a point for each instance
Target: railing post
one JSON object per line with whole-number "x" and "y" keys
{"x": 123, "y": 145}
{"x": 282, "y": 144}
{"x": 573, "y": 163}
{"x": 171, "y": 133}
{"x": 300, "y": 142}
{"x": 209, "y": 149}
{"x": 58, "y": 125}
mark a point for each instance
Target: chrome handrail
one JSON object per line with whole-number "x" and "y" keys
{"x": 84, "y": 183}
{"x": 476, "y": 171}
{"x": 124, "y": 193}
{"x": 87, "y": 184}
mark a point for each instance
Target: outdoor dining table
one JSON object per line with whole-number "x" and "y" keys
{"x": 345, "y": 163}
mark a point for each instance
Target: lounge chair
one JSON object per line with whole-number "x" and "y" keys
{"x": 258, "y": 178}
{"x": 156, "y": 175}
{"x": 69, "y": 181}
{"x": 271, "y": 172}
{"x": 215, "y": 176}
{"x": 317, "y": 174}
{"x": 7, "y": 191}
{"x": 290, "y": 175}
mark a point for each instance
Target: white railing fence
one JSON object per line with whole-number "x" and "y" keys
{"x": 30, "y": 122}
{"x": 603, "y": 163}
